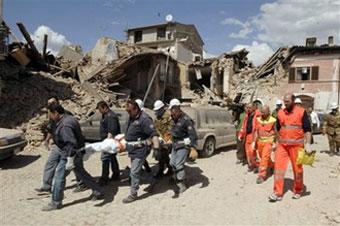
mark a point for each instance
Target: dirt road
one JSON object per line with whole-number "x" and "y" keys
{"x": 220, "y": 192}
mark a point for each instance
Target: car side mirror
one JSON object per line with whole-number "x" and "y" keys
{"x": 90, "y": 122}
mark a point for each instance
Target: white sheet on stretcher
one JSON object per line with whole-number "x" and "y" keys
{"x": 108, "y": 145}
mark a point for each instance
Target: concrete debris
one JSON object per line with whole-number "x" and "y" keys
{"x": 106, "y": 56}
{"x": 262, "y": 81}
{"x": 23, "y": 102}
{"x": 69, "y": 56}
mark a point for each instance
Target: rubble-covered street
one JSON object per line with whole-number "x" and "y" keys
{"x": 217, "y": 96}
{"x": 208, "y": 200}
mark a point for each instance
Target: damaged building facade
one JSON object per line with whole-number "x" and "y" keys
{"x": 314, "y": 74}
{"x": 128, "y": 71}
{"x": 182, "y": 41}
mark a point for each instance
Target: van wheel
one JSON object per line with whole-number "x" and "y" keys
{"x": 209, "y": 147}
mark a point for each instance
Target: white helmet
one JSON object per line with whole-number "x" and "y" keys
{"x": 333, "y": 106}
{"x": 278, "y": 102}
{"x": 174, "y": 102}
{"x": 298, "y": 101}
{"x": 140, "y": 104}
{"x": 158, "y": 105}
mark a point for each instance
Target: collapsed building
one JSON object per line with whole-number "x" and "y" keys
{"x": 157, "y": 62}
{"x": 311, "y": 72}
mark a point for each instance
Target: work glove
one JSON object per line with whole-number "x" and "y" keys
{"x": 308, "y": 148}
{"x": 187, "y": 141}
{"x": 70, "y": 163}
{"x": 253, "y": 145}
{"x": 193, "y": 154}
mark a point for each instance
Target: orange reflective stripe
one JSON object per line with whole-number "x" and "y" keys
{"x": 291, "y": 141}
{"x": 266, "y": 139}
{"x": 291, "y": 127}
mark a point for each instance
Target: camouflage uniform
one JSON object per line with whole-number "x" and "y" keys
{"x": 331, "y": 127}
{"x": 163, "y": 126}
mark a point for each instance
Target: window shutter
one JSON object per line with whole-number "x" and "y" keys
{"x": 291, "y": 75}
{"x": 315, "y": 73}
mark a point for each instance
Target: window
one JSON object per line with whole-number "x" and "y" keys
{"x": 303, "y": 74}
{"x": 138, "y": 36}
{"x": 161, "y": 33}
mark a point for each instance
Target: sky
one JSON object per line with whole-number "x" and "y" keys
{"x": 261, "y": 26}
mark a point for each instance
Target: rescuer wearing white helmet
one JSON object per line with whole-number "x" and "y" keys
{"x": 184, "y": 139}
{"x": 163, "y": 127}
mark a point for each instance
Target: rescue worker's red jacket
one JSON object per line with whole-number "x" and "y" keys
{"x": 265, "y": 129}
{"x": 243, "y": 131}
{"x": 291, "y": 126}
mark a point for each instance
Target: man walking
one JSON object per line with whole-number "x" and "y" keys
{"x": 69, "y": 139}
{"x": 140, "y": 129}
{"x": 52, "y": 161}
{"x": 163, "y": 127}
{"x": 264, "y": 140}
{"x": 240, "y": 153}
{"x": 331, "y": 127}
{"x": 109, "y": 128}
{"x": 184, "y": 137}
{"x": 247, "y": 132}
{"x": 314, "y": 118}
{"x": 294, "y": 133}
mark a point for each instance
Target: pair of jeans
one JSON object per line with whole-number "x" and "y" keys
{"x": 107, "y": 160}
{"x": 178, "y": 158}
{"x": 80, "y": 172}
{"x": 136, "y": 174}
{"x": 50, "y": 168}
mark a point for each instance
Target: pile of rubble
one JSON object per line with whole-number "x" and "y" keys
{"x": 25, "y": 102}
{"x": 262, "y": 81}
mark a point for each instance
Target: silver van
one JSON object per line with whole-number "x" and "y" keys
{"x": 214, "y": 127}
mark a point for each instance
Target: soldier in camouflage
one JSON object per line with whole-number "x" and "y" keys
{"x": 163, "y": 126}
{"x": 331, "y": 127}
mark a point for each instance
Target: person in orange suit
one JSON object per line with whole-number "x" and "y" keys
{"x": 247, "y": 131}
{"x": 293, "y": 133}
{"x": 264, "y": 137}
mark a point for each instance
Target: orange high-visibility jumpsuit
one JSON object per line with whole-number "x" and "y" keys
{"x": 291, "y": 139}
{"x": 264, "y": 128}
{"x": 250, "y": 152}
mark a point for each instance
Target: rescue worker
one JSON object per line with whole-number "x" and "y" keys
{"x": 146, "y": 165}
{"x": 331, "y": 127}
{"x": 52, "y": 161}
{"x": 293, "y": 133}
{"x": 69, "y": 139}
{"x": 264, "y": 140}
{"x": 247, "y": 132}
{"x": 240, "y": 153}
{"x": 140, "y": 128}
{"x": 278, "y": 106}
{"x": 184, "y": 137}
{"x": 109, "y": 128}
{"x": 163, "y": 127}
{"x": 298, "y": 102}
